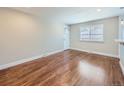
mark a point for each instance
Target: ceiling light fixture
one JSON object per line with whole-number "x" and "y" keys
{"x": 99, "y": 10}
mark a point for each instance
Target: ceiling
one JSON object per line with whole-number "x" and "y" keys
{"x": 72, "y": 15}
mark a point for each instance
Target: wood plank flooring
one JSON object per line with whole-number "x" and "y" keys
{"x": 66, "y": 68}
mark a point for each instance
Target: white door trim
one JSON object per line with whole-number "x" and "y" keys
{"x": 66, "y": 37}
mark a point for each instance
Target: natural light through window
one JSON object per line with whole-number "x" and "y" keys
{"x": 92, "y": 33}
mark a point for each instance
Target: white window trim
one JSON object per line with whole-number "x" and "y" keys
{"x": 91, "y": 40}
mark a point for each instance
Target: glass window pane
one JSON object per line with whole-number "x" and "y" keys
{"x": 85, "y": 33}
{"x": 92, "y": 33}
{"x": 97, "y": 37}
{"x": 97, "y": 29}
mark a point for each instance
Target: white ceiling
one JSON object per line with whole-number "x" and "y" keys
{"x": 72, "y": 15}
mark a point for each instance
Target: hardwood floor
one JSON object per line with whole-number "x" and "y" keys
{"x": 69, "y": 67}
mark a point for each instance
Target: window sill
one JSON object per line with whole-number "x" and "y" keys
{"x": 92, "y": 41}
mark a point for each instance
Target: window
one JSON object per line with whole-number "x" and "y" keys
{"x": 91, "y": 33}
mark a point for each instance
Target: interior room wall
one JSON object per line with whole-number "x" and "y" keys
{"x": 109, "y": 46}
{"x": 121, "y": 47}
{"x": 23, "y": 36}
{"x": 122, "y": 56}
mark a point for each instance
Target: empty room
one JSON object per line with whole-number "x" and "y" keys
{"x": 62, "y": 46}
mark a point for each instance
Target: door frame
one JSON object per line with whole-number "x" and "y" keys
{"x": 66, "y": 37}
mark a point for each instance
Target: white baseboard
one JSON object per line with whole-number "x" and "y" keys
{"x": 105, "y": 54}
{"x": 122, "y": 67}
{"x": 26, "y": 60}
{"x": 54, "y": 52}
{"x": 40, "y": 56}
{"x": 19, "y": 62}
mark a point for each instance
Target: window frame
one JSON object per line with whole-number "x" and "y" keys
{"x": 90, "y": 35}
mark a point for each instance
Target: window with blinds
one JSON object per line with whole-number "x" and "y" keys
{"x": 92, "y": 33}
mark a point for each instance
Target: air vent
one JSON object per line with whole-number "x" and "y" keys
{"x": 121, "y": 7}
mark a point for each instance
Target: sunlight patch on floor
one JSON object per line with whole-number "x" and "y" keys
{"x": 91, "y": 72}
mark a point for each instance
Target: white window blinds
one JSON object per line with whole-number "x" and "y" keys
{"x": 92, "y": 33}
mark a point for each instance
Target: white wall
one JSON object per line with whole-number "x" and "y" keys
{"x": 122, "y": 54}
{"x": 24, "y": 36}
{"x": 109, "y": 46}
{"x": 121, "y": 47}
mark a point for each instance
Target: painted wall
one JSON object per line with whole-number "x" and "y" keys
{"x": 109, "y": 46}
{"x": 121, "y": 47}
{"x": 24, "y": 36}
{"x": 122, "y": 54}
